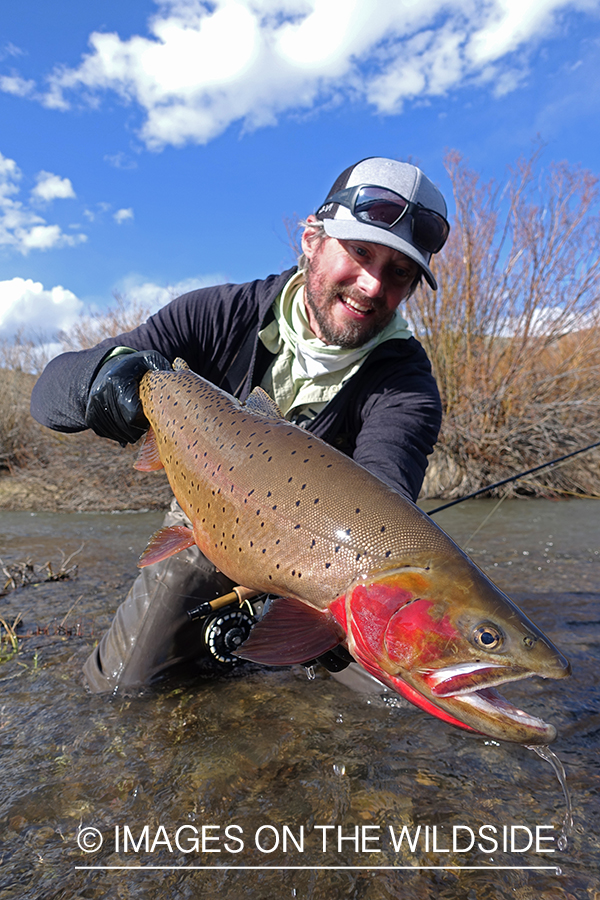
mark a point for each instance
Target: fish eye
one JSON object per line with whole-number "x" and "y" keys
{"x": 488, "y": 636}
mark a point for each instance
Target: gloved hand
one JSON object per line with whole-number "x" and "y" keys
{"x": 114, "y": 409}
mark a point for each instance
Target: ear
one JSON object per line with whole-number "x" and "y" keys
{"x": 309, "y": 244}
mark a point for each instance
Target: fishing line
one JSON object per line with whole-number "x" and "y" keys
{"x": 489, "y": 516}
{"x": 496, "y": 484}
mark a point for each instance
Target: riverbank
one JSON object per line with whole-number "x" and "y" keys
{"x": 42, "y": 469}
{"x": 81, "y": 473}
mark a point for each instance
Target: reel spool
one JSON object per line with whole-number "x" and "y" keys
{"x": 225, "y": 632}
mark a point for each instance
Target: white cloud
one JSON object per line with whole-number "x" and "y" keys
{"x": 28, "y": 310}
{"x": 23, "y": 229}
{"x": 27, "y": 307}
{"x": 147, "y": 294}
{"x": 203, "y": 66}
{"x": 122, "y": 215}
{"x": 10, "y": 49}
{"x": 14, "y": 84}
{"x": 52, "y": 187}
{"x": 120, "y": 160}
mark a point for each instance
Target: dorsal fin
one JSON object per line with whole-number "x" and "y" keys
{"x": 179, "y": 364}
{"x": 260, "y": 403}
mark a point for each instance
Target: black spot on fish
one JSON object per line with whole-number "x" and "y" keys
{"x": 317, "y": 500}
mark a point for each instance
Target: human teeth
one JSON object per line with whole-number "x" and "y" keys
{"x": 357, "y": 306}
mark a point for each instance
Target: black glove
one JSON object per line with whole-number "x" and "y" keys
{"x": 114, "y": 409}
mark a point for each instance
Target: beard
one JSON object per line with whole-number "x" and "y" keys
{"x": 323, "y": 298}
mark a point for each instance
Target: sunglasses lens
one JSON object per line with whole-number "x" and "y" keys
{"x": 377, "y": 205}
{"x": 430, "y": 231}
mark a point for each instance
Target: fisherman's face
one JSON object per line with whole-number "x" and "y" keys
{"x": 353, "y": 288}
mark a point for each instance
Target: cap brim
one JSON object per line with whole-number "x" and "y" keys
{"x": 353, "y": 230}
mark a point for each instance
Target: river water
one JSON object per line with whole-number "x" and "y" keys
{"x": 300, "y": 785}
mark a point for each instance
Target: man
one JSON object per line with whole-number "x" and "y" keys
{"x": 325, "y": 340}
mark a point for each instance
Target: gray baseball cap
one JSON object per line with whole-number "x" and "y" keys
{"x": 361, "y": 224}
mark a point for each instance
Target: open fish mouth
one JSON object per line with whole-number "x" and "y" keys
{"x": 488, "y": 702}
{"x": 470, "y": 689}
{"x": 453, "y": 681}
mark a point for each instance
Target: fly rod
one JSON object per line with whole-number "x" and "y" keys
{"x": 496, "y": 484}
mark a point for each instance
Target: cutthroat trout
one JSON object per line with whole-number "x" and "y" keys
{"x": 354, "y": 562}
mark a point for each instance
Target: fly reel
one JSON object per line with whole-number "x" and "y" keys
{"x": 225, "y": 632}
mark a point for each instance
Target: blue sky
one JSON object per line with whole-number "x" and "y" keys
{"x": 153, "y": 147}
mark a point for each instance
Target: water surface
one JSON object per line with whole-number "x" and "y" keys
{"x": 268, "y": 750}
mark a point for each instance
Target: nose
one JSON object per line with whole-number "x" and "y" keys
{"x": 370, "y": 282}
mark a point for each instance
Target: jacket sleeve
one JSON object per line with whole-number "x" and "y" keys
{"x": 398, "y": 423}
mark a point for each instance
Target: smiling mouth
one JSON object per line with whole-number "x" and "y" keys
{"x": 356, "y": 306}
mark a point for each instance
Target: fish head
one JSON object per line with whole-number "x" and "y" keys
{"x": 444, "y": 636}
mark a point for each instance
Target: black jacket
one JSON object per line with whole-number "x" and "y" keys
{"x": 387, "y": 416}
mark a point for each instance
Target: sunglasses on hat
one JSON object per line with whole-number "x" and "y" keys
{"x": 384, "y": 208}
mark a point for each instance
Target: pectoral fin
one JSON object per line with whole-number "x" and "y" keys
{"x": 166, "y": 542}
{"x": 148, "y": 458}
{"x": 291, "y": 632}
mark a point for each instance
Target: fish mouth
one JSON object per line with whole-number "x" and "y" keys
{"x": 465, "y": 678}
{"x": 468, "y": 690}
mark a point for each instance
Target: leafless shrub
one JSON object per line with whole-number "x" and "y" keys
{"x": 27, "y": 572}
{"x": 21, "y": 354}
{"x": 514, "y": 330}
{"x": 125, "y": 315}
{"x": 17, "y": 428}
